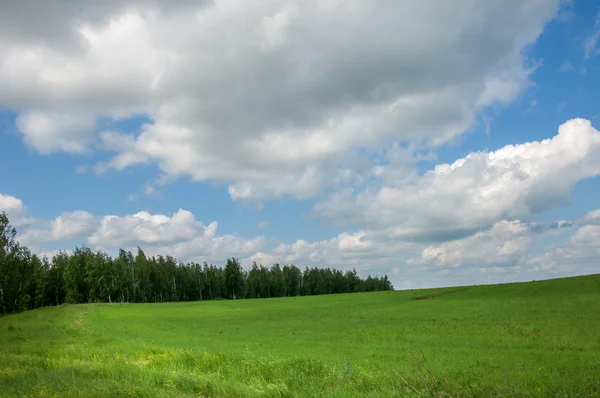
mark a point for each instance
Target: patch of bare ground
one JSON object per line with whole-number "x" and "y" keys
{"x": 425, "y": 297}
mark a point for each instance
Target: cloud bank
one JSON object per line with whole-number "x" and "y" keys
{"x": 270, "y": 97}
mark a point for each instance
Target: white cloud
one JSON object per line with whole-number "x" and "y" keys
{"x": 503, "y": 244}
{"x": 48, "y": 132}
{"x": 73, "y": 224}
{"x": 579, "y": 255}
{"x": 49, "y": 254}
{"x": 144, "y": 227}
{"x": 215, "y": 248}
{"x": 151, "y": 187}
{"x": 499, "y": 249}
{"x": 263, "y": 224}
{"x": 15, "y": 210}
{"x": 501, "y": 253}
{"x": 125, "y": 145}
{"x": 458, "y": 199}
{"x": 68, "y": 225}
{"x": 179, "y": 235}
{"x": 187, "y": 239}
{"x": 12, "y": 205}
{"x": 587, "y": 236}
{"x": 265, "y": 96}
{"x": 591, "y": 218}
{"x": 363, "y": 250}
{"x": 268, "y": 98}
{"x": 35, "y": 236}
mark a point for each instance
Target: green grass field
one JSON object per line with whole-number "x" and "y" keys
{"x": 526, "y": 339}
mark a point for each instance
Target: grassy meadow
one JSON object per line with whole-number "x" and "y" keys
{"x": 526, "y": 339}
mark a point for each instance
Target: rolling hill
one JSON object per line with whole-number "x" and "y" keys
{"x": 523, "y": 339}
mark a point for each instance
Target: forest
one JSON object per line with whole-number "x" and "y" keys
{"x": 87, "y": 276}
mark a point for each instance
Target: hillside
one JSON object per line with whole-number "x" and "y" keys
{"x": 524, "y": 339}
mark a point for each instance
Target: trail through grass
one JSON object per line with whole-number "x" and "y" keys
{"x": 527, "y": 339}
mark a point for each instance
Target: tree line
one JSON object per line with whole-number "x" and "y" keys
{"x": 87, "y": 276}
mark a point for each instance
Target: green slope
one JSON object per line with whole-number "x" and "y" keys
{"x": 526, "y": 339}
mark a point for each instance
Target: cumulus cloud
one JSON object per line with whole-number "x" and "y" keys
{"x": 125, "y": 145}
{"x": 15, "y": 210}
{"x": 500, "y": 253}
{"x": 363, "y": 250}
{"x": 502, "y": 244}
{"x": 591, "y": 218}
{"x": 51, "y": 132}
{"x": 187, "y": 239}
{"x": 143, "y": 227}
{"x": 587, "y": 236}
{"x": 268, "y": 98}
{"x": 579, "y": 255}
{"x": 179, "y": 234}
{"x": 69, "y": 225}
{"x": 216, "y": 248}
{"x": 455, "y": 200}
{"x": 265, "y": 96}
{"x": 73, "y": 224}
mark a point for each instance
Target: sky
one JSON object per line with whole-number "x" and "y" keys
{"x": 440, "y": 142}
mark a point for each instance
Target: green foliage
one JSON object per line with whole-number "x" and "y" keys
{"x": 18, "y": 271}
{"x": 537, "y": 339}
{"x": 234, "y": 278}
{"x": 87, "y": 276}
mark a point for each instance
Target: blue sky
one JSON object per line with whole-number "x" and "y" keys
{"x": 305, "y": 144}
